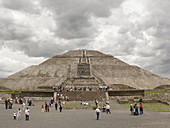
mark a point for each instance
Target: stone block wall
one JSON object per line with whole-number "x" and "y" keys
{"x": 158, "y": 96}
{"x": 84, "y": 95}
{"x": 32, "y": 94}
{"x": 126, "y": 93}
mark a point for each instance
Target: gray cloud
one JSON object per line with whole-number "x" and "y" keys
{"x": 28, "y": 6}
{"x": 73, "y": 17}
{"x": 135, "y": 31}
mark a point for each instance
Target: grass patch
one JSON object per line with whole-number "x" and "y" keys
{"x": 152, "y": 107}
{"x": 157, "y": 91}
{"x": 6, "y": 92}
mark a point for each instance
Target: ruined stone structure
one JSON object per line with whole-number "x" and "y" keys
{"x": 84, "y": 77}
{"x": 83, "y": 68}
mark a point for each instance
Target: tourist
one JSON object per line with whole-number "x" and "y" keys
{"x": 67, "y": 98}
{"x": 19, "y": 114}
{"x": 45, "y": 106}
{"x": 97, "y": 112}
{"x": 42, "y": 108}
{"x": 96, "y": 102}
{"x": 27, "y": 111}
{"x": 23, "y": 105}
{"x": 16, "y": 100}
{"x": 30, "y": 103}
{"x": 104, "y": 108}
{"x": 56, "y": 105}
{"x": 15, "y": 115}
{"x": 131, "y": 109}
{"x": 107, "y": 108}
{"x": 136, "y": 110}
{"x": 141, "y": 108}
{"x": 48, "y": 108}
{"x": 10, "y": 103}
{"x": 6, "y": 104}
{"x": 60, "y": 107}
{"x": 50, "y": 103}
{"x": 140, "y": 101}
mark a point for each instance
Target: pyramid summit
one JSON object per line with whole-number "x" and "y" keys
{"x": 83, "y": 68}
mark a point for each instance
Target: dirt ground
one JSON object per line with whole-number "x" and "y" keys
{"x": 119, "y": 118}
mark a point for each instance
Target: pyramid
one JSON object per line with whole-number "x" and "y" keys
{"x": 83, "y": 68}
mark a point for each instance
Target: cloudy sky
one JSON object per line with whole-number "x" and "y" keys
{"x": 135, "y": 31}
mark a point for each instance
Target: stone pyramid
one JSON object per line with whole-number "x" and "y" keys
{"x": 102, "y": 70}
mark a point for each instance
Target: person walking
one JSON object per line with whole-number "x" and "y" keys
{"x": 141, "y": 108}
{"x": 42, "y": 108}
{"x": 96, "y": 102}
{"x": 27, "y": 113}
{"x": 136, "y": 110}
{"x": 56, "y": 105}
{"x": 131, "y": 109}
{"x": 97, "y": 112}
{"x": 19, "y": 114}
{"x": 23, "y": 105}
{"x": 48, "y": 108}
{"x": 30, "y": 102}
{"x": 15, "y": 115}
{"x": 6, "y": 104}
{"x": 107, "y": 108}
{"x": 60, "y": 107}
{"x": 50, "y": 103}
{"x": 45, "y": 106}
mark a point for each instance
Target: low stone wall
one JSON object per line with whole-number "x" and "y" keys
{"x": 126, "y": 93}
{"x": 147, "y": 98}
{"x": 84, "y": 95}
{"x": 158, "y": 96}
{"x": 33, "y": 94}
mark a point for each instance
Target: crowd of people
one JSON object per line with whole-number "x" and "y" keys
{"x": 52, "y": 103}
{"x": 18, "y": 112}
{"x": 105, "y": 108}
{"x": 9, "y": 103}
{"x": 134, "y": 109}
{"x": 89, "y": 88}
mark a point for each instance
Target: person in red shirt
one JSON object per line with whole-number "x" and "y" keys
{"x": 48, "y": 108}
{"x": 42, "y": 108}
{"x": 131, "y": 109}
{"x": 141, "y": 108}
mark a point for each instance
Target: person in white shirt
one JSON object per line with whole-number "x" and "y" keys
{"x": 23, "y": 105}
{"x": 15, "y": 115}
{"x": 19, "y": 114}
{"x": 97, "y": 112}
{"x": 108, "y": 108}
{"x": 27, "y": 113}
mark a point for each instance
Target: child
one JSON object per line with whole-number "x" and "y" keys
{"x": 48, "y": 108}
{"x": 131, "y": 108}
{"x": 15, "y": 115}
{"x": 42, "y": 108}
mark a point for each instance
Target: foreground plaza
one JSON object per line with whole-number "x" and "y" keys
{"x": 119, "y": 118}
